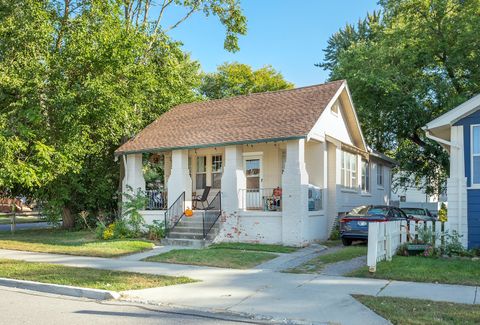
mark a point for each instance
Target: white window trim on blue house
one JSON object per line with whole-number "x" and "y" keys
{"x": 474, "y": 154}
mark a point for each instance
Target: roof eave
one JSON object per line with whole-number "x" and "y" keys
{"x": 455, "y": 114}
{"x": 223, "y": 144}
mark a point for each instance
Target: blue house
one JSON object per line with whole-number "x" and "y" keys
{"x": 458, "y": 131}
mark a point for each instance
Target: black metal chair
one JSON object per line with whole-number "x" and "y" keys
{"x": 201, "y": 198}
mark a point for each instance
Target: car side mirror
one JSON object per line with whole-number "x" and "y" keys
{"x": 410, "y": 217}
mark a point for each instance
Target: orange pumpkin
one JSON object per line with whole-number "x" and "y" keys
{"x": 188, "y": 212}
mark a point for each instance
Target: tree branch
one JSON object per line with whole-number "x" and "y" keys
{"x": 194, "y": 8}
{"x": 165, "y": 4}
{"x": 63, "y": 23}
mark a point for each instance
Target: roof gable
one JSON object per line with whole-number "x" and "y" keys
{"x": 269, "y": 116}
{"x": 350, "y": 131}
{"x": 456, "y": 114}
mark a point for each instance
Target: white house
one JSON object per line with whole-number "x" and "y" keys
{"x": 458, "y": 131}
{"x": 285, "y": 163}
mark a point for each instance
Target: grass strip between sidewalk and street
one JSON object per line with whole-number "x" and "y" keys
{"x": 318, "y": 263}
{"x": 218, "y": 257}
{"x": 423, "y": 269}
{"x": 256, "y": 247}
{"x": 82, "y": 243}
{"x": 84, "y": 277}
{"x": 404, "y": 311}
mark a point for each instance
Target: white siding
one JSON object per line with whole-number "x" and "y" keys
{"x": 333, "y": 125}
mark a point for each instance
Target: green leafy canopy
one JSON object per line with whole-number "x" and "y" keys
{"x": 406, "y": 65}
{"x": 233, "y": 79}
{"x": 79, "y": 77}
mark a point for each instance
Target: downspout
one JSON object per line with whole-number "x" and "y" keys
{"x": 124, "y": 157}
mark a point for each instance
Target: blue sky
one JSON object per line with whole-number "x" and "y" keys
{"x": 288, "y": 34}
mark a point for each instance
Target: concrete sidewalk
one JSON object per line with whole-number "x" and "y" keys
{"x": 267, "y": 294}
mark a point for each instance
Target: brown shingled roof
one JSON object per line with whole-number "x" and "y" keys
{"x": 278, "y": 115}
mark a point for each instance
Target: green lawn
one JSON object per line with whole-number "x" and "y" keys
{"x": 219, "y": 257}
{"x": 421, "y": 269}
{"x": 69, "y": 242}
{"x": 84, "y": 277}
{"x": 318, "y": 263}
{"x": 256, "y": 247}
{"x": 404, "y": 311}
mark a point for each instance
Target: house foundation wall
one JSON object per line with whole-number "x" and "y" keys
{"x": 255, "y": 227}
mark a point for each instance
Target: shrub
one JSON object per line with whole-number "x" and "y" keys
{"x": 157, "y": 230}
{"x": 453, "y": 245}
{"x": 443, "y": 213}
{"x": 131, "y": 210}
{"x": 100, "y": 230}
{"x": 335, "y": 234}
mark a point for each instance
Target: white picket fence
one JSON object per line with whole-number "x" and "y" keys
{"x": 384, "y": 238}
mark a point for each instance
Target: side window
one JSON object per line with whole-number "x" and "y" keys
{"x": 475, "y": 155}
{"x": 379, "y": 175}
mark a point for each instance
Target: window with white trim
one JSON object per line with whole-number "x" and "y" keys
{"x": 217, "y": 171}
{"x": 335, "y": 108}
{"x": 349, "y": 170}
{"x": 475, "y": 154}
{"x": 365, "y": 176}
{"x": 379, "y": 175}
{"x": 201, "y": 175}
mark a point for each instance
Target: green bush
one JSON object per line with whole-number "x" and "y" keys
{"x": 335, "y": 234}
{"x": 134, "y": 202}
{"x": 157, "y": 230}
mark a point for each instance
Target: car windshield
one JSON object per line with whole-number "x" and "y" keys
{"x": 416, "y": 211}
{"x": 369, "y": 210}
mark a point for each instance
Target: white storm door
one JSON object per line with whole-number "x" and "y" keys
{"x": 253, "y": 174}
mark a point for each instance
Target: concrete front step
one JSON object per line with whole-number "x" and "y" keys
{"x": 196, "y": 230}
{"x": 194, "y": 243}
{"x": 189, "y": 235}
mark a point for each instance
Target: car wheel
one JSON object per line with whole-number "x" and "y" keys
{"x": 346, "y": 241}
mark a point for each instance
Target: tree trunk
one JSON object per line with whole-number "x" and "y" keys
{"x": 67, "y": 217}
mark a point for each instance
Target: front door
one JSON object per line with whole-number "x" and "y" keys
{"x": 253, "y": 173}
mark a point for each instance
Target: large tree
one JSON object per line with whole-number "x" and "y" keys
{"x": 233, "y": 79}
{"x": 77, "y": 77}
{"x": 407, "y": 64}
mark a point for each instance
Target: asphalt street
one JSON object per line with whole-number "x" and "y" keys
{"x": 26, "y": 307}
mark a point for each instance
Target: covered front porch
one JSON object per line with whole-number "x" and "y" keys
{"x": 274, "y": 189}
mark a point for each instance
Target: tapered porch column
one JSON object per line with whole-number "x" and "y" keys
{"x": 233, "y": 179}
{"x": 295, "y": 195}
{"x": 133, "y": 180}
{"x": 180, "y": 180}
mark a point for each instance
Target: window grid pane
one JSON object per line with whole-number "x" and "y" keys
{"x": 476, "y": 170}
{"x": 476, "y": 140}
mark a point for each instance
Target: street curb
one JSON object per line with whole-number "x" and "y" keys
{"x": 59, "y": 289}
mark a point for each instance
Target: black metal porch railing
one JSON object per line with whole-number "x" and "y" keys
{"x": 157, "y": 199}
{"x": 174, "y": 213}
{"x": 212, "y": 214}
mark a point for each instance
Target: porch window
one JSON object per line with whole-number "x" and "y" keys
{"x": 216, "y": 171}
{"x": 201, "y": 176}
{"x": 379, "y": 175}
{"x": 349, "y": 170}
{"x": 365, "y": 176}
{"x": 476, "y": 155}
